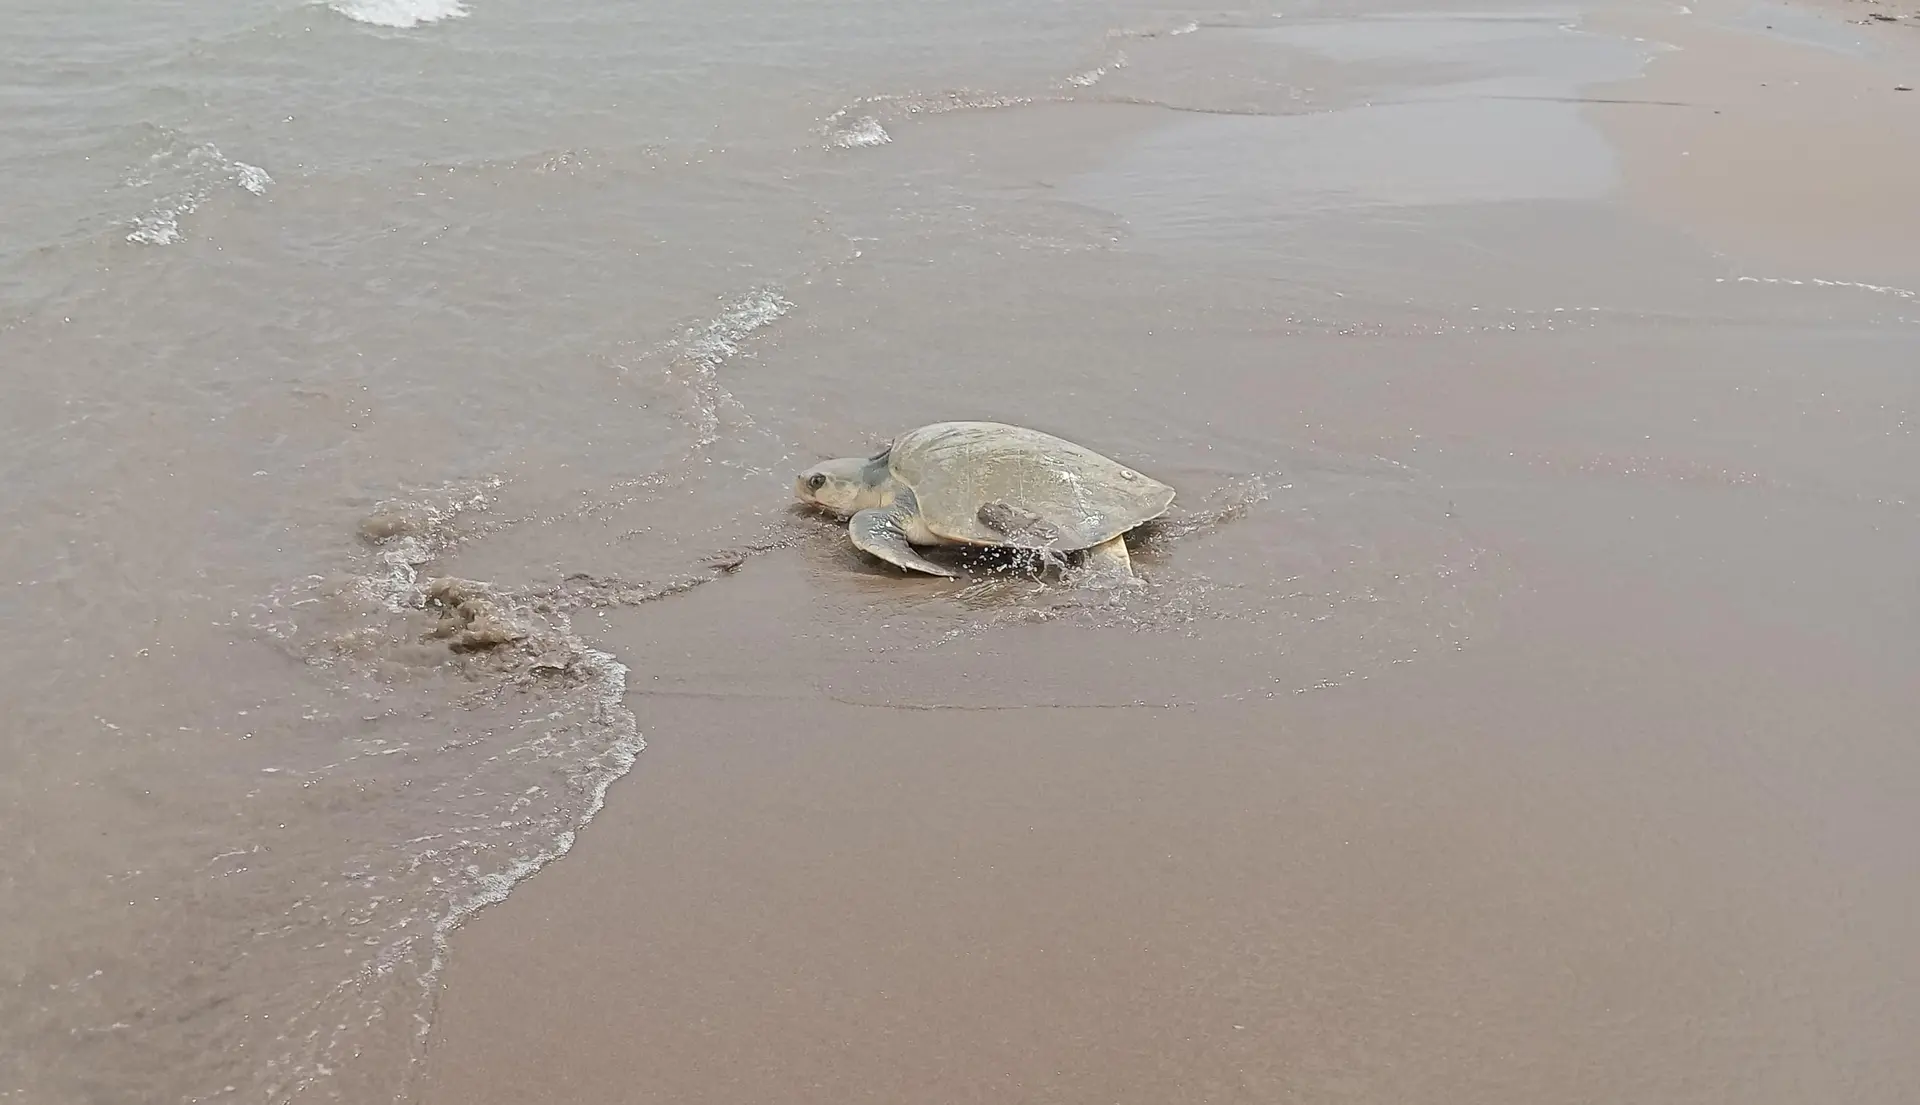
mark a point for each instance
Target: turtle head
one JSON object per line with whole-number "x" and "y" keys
{"x": 843, "y": 487}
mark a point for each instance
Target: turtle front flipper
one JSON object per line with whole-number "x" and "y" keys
{"x": 882, "y": 531}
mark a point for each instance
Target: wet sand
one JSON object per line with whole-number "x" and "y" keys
{"x": 1584, "y": 772}
{"x": 1532, "y": 874}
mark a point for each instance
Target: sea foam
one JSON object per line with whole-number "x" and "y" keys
{"x": 399, "y": 13}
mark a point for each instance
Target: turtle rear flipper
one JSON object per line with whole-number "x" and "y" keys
{"x": 1019, "y": 525}
{"x": 1108, "y": 561}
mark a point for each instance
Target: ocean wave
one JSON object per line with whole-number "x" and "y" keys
{"x": 862, "y": 124}
{"x": 602, "y": 695}
{"x": 695, "y": 358}
{"x": 408, "y": 533}
{"x": 517, "y": 729}
{"x": 399, "y": 14}
{"x": 523, "y": 762}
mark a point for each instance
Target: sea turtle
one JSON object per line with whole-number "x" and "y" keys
{"x": 986, "y": 483}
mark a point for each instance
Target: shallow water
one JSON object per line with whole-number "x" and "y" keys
{"x": 311, "y": 308}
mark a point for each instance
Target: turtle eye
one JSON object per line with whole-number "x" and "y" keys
{"x": 816, "y": 481}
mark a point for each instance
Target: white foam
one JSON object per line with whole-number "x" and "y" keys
{"x": 863, "y": 122}
{"x": 1877, "y": 289}
{"x": 400, "y": 14}
{"x": 189, "y": 179}
{"x": 251, "y": 177}
{"x": 719, "y": 341}
{"x": 700, "y": 353}
{"x": 867, "y": 131}
{"x": 161, "y": 226}
{"x": 1094, "y": 76}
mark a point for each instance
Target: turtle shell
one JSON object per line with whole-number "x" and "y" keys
{"x": 956, "y": 468}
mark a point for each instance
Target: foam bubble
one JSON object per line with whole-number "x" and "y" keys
{"x": 400, "y": 14}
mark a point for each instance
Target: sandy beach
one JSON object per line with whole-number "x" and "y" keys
{"x": 1618, "y": 810}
